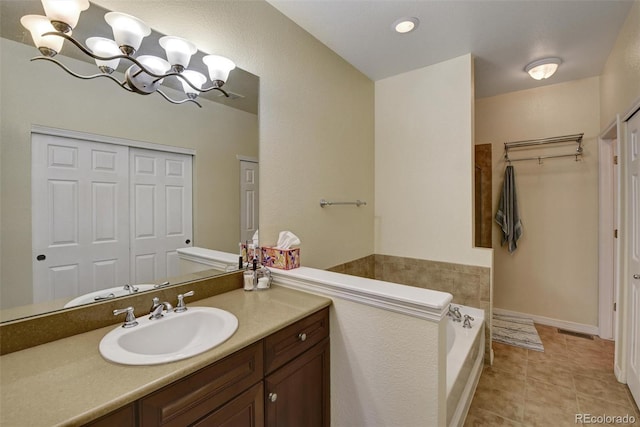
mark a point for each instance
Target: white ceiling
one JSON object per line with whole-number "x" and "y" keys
{"x": 504, "y": 36}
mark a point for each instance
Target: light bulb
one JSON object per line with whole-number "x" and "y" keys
{"x": 106, "y": 48}
{"x": 37, "y": 26}
{"x": 128, "y": 31}
{"x": 64, "y": 14}
{"x": 178, "y": 50}
{"x": 543, "y": 68}
{"x": 196, "y": 78}
{"x": 219, "y": 68}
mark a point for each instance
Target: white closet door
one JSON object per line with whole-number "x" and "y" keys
{"x": 80, "y": 209}
{"x": 633, "y": 141}
{"x": 248, "y": 199}
{"x": 161, "y": 212}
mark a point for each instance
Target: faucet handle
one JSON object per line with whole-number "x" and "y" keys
{"x": 466, "y": 316}
{"x": 129, "y": 321}
{"x": 181, "y": 305}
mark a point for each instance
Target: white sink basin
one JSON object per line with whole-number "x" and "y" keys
{"x": 105, "y": 294}
{"x": 176, "y": 336}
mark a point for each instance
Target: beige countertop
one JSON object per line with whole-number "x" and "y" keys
{"x": 67, "y": 382}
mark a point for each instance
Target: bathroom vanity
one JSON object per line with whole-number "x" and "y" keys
{"x": 273, "y": 371}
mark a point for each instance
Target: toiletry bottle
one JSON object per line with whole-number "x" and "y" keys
{"x": 255, "y": 272}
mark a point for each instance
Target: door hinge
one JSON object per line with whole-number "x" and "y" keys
{"x": 615, "y": 160}
{"x": 615, "y": 306}
{"x": 615, "y": 233}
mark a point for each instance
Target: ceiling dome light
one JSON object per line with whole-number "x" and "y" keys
{"x": 406, "y": 25}
{"x": 543, "y": 68}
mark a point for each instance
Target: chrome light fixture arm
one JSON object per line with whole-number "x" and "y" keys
{"x": 122, "y": 84}
{"x": 173, "y": 101}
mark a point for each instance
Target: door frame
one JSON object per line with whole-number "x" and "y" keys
{"x": 45, "y": 130}
{"x": 609, "y": 247}
{"x": 627, "y": 315}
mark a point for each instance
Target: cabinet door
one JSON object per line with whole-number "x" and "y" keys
{"x": 246, "y": 410}
{"x": 298, "y": 393}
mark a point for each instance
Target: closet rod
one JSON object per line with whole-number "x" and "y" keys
{"x": 557, "y": 139}
{"x": 358, "y": 203}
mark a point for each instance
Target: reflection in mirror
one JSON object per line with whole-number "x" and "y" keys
{"x": 39, "y": 98}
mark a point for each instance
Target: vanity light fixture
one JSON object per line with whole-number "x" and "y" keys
{"x": 543, "y": 68}
{"x": 145, "y": 73}
{"x": 406, "y": 25}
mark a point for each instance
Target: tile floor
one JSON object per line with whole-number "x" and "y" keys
{"x": 530, "y": 388}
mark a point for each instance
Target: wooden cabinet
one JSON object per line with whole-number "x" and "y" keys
{"x": 286, "y": 344}
{"x": 246, "y": 410}
{"x": 282, "y": 380}
{"x": 123, "y": 417}
{"x": 297, "y": 368}
{"x": 298, "y": 393}
{"x": 189, "y": 399}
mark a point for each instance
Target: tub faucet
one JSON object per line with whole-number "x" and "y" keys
{"x": 131, "y": 288}
{"x": 467, "y": 321}
{"x": 454, "y": 313}
{"x": 158, "y": 307}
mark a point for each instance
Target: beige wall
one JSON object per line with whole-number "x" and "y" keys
{"x": 553, "y": 273}
{"x": 410, "y": 352}
{"x": 424, "y": 149}
{"x": 216, "y": 132}
{"x": 316, "y": 120}
{"x": 620, "y": 79}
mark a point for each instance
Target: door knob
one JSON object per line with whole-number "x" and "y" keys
{"x": 636, "y": 276}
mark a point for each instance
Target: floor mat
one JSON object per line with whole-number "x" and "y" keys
{"x": 516, "y": 331}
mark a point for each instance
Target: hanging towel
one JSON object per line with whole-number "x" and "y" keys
{"x": 507, "y": 216}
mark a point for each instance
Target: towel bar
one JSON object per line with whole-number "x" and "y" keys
{"x": 324, "y": 203}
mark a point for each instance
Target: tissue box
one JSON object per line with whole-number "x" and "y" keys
{"x": 284, "y": 259}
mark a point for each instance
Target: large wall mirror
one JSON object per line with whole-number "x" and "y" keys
{"x": 39, "y": 95}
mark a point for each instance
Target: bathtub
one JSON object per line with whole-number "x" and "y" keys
{"x": 465, "y": 357}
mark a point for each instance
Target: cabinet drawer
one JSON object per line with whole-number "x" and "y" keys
{"x": 246, "y": 410}
{"x": 294, "y": 340}
{"x": 122, "y": 417}
{"x": 193, "y": 397}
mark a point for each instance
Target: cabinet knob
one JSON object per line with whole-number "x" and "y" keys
{"x": 302, "y": 336}
{"x": 272, "y": 397}
{"x": 636, "y": 276}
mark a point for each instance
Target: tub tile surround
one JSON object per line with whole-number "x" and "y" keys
{"x": 530, "y": 388}
{"x": 470, "y": 285}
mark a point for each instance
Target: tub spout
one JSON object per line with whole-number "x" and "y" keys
{"x": 454, "y": 313}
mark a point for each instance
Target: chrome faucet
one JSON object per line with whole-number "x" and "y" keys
{"x": 131, "y": 288}
{"x": 454, "y": 313}
{"x": 181, "y": 306}
{"x": 158, "y": 307}
{"x": 467, "y": 321}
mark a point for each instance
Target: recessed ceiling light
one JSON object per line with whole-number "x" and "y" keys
{"x": 406, "y": 25}
{"x": 543, "y": 68}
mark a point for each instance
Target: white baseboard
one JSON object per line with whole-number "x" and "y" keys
{"x": 562, "y": 324}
